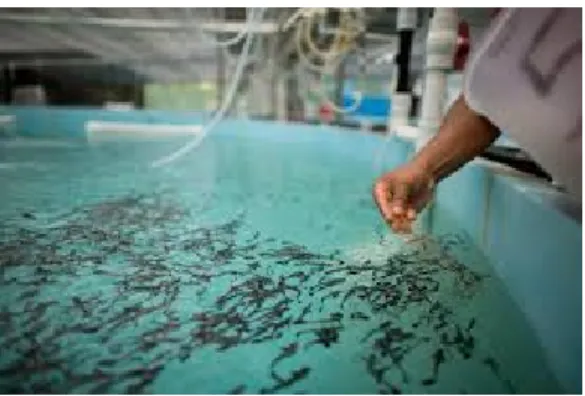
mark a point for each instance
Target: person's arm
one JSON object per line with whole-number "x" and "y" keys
{"x": 463, "y": 135}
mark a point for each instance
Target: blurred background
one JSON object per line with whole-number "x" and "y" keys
{"x": 304, "y": 65}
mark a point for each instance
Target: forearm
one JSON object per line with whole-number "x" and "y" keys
{"x": 463, "y": 135}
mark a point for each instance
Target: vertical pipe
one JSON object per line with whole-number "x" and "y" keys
{"x": 273, "y": 94}
{"x": 295, "y": 105}
{"x": 440, "y": 49}
{"x": 220, "y": 77}
{"x": 220, "y": 73}
{"x": 290, "y": 96}
{"x": 281, "y": 83}
{"x": 138, "y": 91}
{"x": 403, "y": 60}
{"x": 273, "y": 69}
{"x": 401, "y": 100}
{"x": 6, "y": 85}
{"x": 339, "y": 88}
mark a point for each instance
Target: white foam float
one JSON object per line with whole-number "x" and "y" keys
{"x": 6, "y": 119}
{"x": 9, "y": 166}
{"x": 23, "y": 142}
{"x": 7, "y": 125}
{"x": 97, "y": 131}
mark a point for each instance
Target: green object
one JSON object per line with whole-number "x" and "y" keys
{"x": 198, "y": 96}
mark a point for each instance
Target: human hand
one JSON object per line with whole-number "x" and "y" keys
{"x": 402, "y": 193}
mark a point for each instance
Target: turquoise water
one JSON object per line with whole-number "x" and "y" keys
{"x": 250, "y": 266}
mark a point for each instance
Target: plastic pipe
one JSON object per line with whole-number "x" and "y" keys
{"x": 332, "y": 57}
{"x": 440, "y": 49}
{"x": 435, "y": 89}
{"x": 401, "y": 97}
{"x": 228, "y": 99}
{"x": 406, "y": 23}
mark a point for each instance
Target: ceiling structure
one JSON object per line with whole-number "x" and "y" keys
{"x": 162, "y": 44}
{"x": 155, "y": 43}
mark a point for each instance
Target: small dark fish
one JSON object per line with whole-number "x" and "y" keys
{"x": 99, "y": 374}
{"x": 79, "y": 304}
{"x": 359, "y": 315}
{"x": 304, "y": 313}
{"x": 438, "y": 359}
{"x": 336, "y": 316}
{"x": 299, "y": 374}
{"x": 184, "y": 353}
{"x": 172, "y": 325}
{"x": 107, "y": 362}
{"x": 29, "y": 293}
{"x": 492, "y": 364}
{"x": 238, "y": 390}
{"x": 327, "y": 336}
{"x": 296, "y": 376}
{"x": 332, "y": 282}
{"x": 102, "y": 388}
{"x": 90, "y": 329}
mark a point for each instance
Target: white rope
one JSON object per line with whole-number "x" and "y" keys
{"x": 219, "y": 115}
{"x": 237, "y": 38}
{"x": 332, "y": 57}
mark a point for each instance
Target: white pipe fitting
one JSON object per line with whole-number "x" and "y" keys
{"x": 440, "y": 49}
{"x": 435, "y": 89}
{"x": 442, "y": 39}
{"x": 406, "y": 19}
{"x": 400, "y": 110}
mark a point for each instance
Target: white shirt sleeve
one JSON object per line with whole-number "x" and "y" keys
{"x": 525, "y": 76}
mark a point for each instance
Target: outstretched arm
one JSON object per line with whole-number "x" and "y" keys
{"x": 463, "y": 135}
{"x": 403, "y": 192}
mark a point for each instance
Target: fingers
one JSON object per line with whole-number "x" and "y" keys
{"x": 382, "y": 198}
{"x": 401, "y": 225}
{"x": 411, "y": 214}
{"x": 392, "y": 201}
{"x": 402, "y": 214}
{"x": 421, "y": 200}
{"x": 399, "y": 198}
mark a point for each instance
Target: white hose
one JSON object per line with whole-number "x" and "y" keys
{"x": 344, "y": 31}
{"x": 229, "y": 97}
{"x": 332, "y": 57}
{"x": 342, "y": 110}
{"x": 358, "y": 97}
{"x": 216, "y": 43}
{"x": 357, "y": 101}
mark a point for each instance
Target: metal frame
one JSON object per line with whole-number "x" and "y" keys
{"x": 137, "y": 23}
